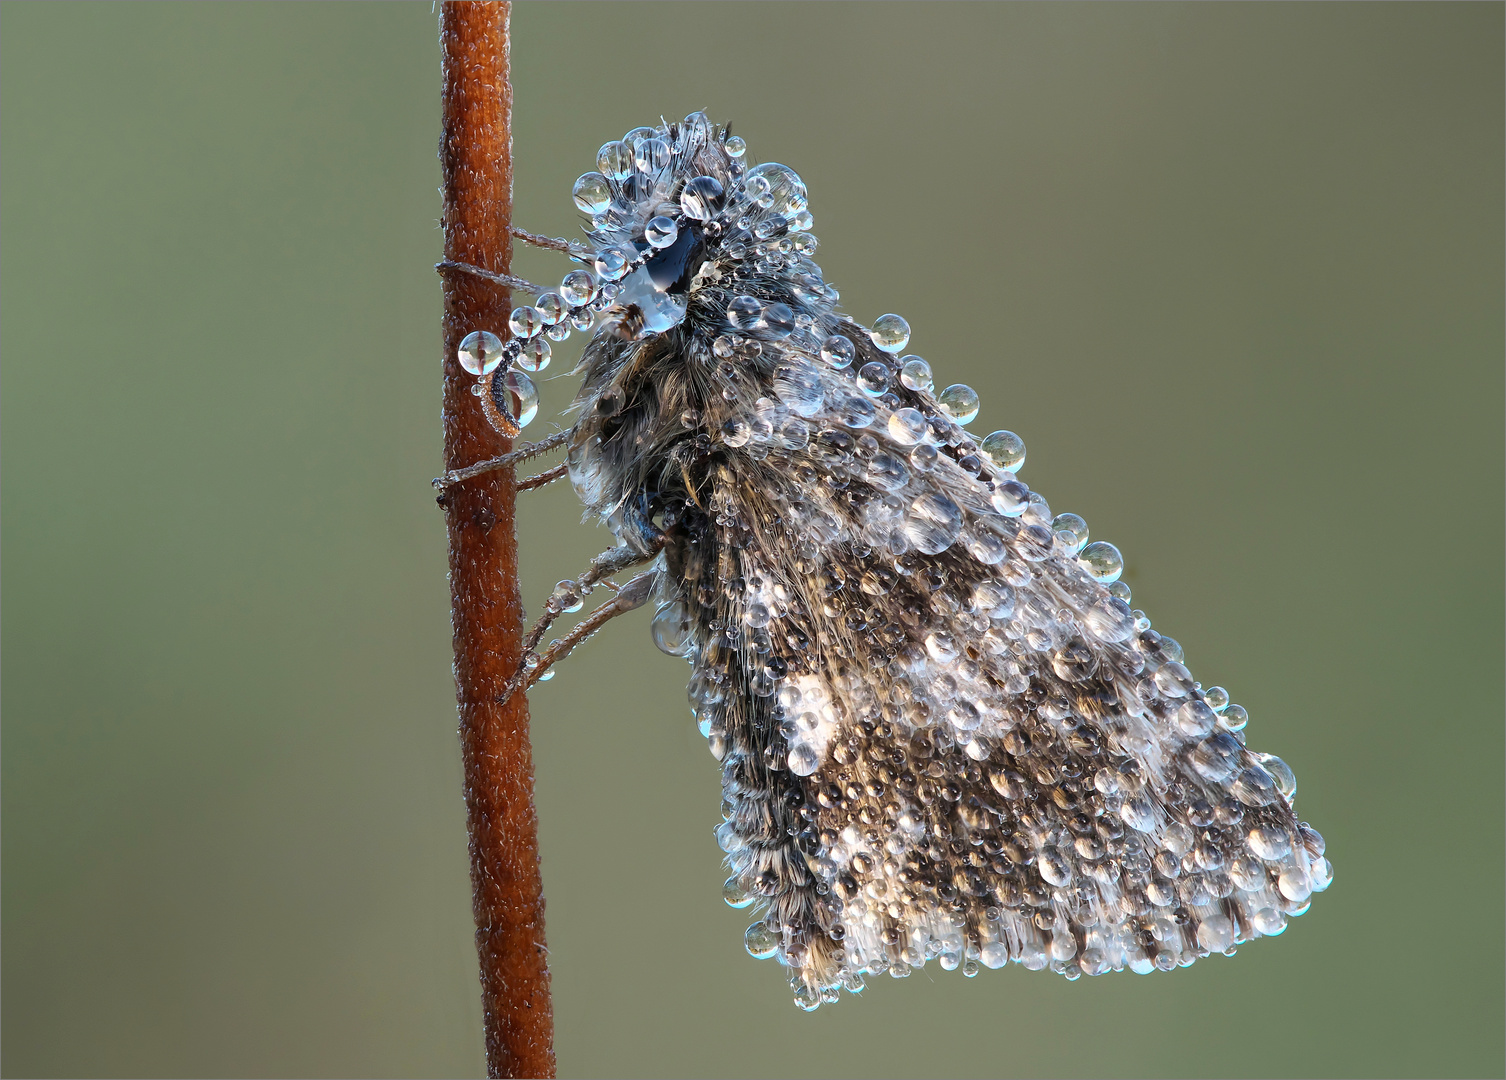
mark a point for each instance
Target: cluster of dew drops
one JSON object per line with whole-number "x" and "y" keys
{"x": 584, "y": 294}
{"x": 551, "y": 317}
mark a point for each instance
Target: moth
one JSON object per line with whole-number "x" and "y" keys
{"x": 944, "y": 733}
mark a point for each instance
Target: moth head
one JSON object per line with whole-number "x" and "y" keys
{"x": 669, "y": 201}
{"x": 674, "y": 210}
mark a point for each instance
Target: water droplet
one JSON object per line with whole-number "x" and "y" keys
{"x": 1248, "y": 874}
{"x": 1320, "y": 874}
{"x": 736, "y": 432}
{"x": 702, "y": 198}
{"x": 888, "y": 472}
{"x": 1234, "y": 717}
{"x": 1215, "y": 933}
{"x": 852, "y": 410}
{"x": 551, "y": 307}
{"x": 1102, "y": 561}
{"x": 1281, "y": 772}
{"x": 735, "y": 146}
{"x": 1217, "y": 698}
{"x": 1071, "y": 530}
{"x": 988, "y": 548}
{"x": 615, "y": 161}
{"x": 1255, "y": 787}
{"x": 671, "y": 629}
{"x": 535, "y": 355}
{"x": 1010, "y": 497}
{"x": 942, "y": 646}
{"x": 837, "y": 351}
{"x": 873, "y": 379}
{"x": 785, "y": 194}
{"x": 480, "y": 352}
{"x": 960, "y": 402}
{"x": 1110, "y": 621}
{"x": 567, "y": 596}
{"x": 804, "y": 759}
{"x": 907, "y": 426}
{"x": 1054, "y": 868}
{"x": 915, "y": 373}
{"x": 761, "y": 942}
{"x": 794, "y": 433}
{"x": 1216, "y": 757}
{"x": 735, "y": 894}
{"x": 660, "y": 310}
{"x": 611, "y": 264}
{"x": 777, "y": 320}
{"x": 1173, "y": 680}
{"x": 1194, "y": 719}
{"x": 1269, "y": 921}
{"x": 661, "y": 232}
{"x": 524, "y": 397}
{"x": 890, "y": 333}
{"x": 579, "y": 287}
{"x": 1004, "y": 450}
{"x": 1312, "y": 839}
{"x": 1074, "y": 662}
{"x": 744, "y": 312}
{"x": 1294, "y": 884}
{"x": 1139, "y": 814}
{"x": 525, "y": 322}
{"x": 1269, "y": 842}
{"x": 592, "y": 193}
{"x": 933, "y": 523}
{"x": 652, "y": 155}
{"x": 994, "y": 599}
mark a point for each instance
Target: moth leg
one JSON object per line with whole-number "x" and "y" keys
{"x": 512, "y": 457}
{"x": 602, "y": 567}
{"x": 631, "y": 596}
{"x": 548, "y": 476}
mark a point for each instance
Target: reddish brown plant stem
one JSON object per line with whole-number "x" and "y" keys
{"x": 476, "y": 154}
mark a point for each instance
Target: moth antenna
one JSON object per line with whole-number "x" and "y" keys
{"x": 552, "y": 243}
{"x": 510, "y": 281}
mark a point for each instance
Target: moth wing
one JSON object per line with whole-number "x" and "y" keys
{"x": 941, "y": 735}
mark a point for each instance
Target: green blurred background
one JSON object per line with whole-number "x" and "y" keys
{"x": 1233, "y": 271}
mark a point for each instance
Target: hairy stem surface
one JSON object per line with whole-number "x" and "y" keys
{"x": 486, "y": 611}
